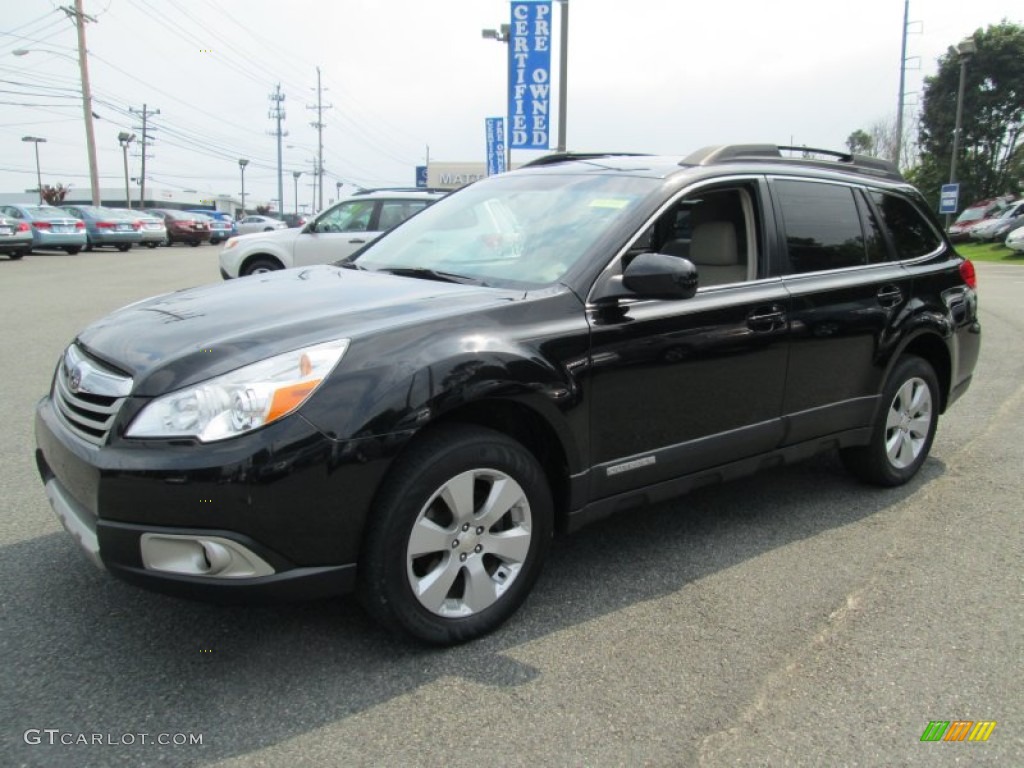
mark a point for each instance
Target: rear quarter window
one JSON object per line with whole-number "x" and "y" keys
{"x": 912, "y": 236}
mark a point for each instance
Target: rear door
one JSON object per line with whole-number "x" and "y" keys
{"x": 847, "y": 295}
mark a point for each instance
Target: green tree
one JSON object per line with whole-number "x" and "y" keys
{"x": 860, "y": 141}
{"x": 990, "y": 161}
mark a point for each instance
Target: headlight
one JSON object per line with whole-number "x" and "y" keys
{"x": 242, "y": 400}
{"x": 231, "y": 243}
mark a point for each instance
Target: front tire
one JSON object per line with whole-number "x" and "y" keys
{"x": 458, "y": 536}
{"x": 259, "y": 266}
{"x": 904, "y": 428}
{"x": 72, "y": 250}
{"x": 124, "y": 247}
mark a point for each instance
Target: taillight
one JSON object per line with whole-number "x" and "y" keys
{"x": 136, "y": 225}
{"x": 23, "y": 226}
{"x": 42, "y": 224}
{"x": 105, "y": 225}
{"x": 79, "y": 224}
{"x": 968, "y": 274}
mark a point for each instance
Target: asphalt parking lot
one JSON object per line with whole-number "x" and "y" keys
{"x": 794, "y": 618}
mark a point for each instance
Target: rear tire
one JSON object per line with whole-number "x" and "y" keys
{"x": 124, "y": 247}
{"x": 16, "y": 255}
{"x": 71, "y": 250}
{"x": 457, "y": 536}
{"x": 152, "y": 245}
{"x": 904, "y": 427}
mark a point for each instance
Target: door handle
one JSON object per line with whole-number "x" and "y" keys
{"x": 357, "y": 241}
{"x": 889, "y": 296}
{"x": 767, "y": 318}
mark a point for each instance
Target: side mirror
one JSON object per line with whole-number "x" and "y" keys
{"x": 658, "y": 276}
{"x": 651, "y": 276}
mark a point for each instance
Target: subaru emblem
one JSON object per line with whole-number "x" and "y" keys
{"x": 75, "y": 379}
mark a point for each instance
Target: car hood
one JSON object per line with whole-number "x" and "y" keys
{"x": 176, "y": 340}
{"x": 280, "y": 233}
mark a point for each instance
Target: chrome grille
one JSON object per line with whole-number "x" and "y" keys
{"x": 88, "y": 395}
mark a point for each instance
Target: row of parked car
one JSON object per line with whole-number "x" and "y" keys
{"x": 991, "y": 221}
{"x": 73, "y": 228}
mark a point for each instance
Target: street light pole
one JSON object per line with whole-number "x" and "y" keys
{"x": 295, "y": 176}
{"x": 83, "y": 66}
{"x": 503, "y": 35}
{"x": 563, "y": 77}
{"x": 966, "y": 48}
{"x": 39, "y": 176}
{"x": 241, "y": 164}
{"x": 125, "y": 139}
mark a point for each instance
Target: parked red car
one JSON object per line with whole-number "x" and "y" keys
{"x": 183, "y": 226}
{"x": 960, "y": 230}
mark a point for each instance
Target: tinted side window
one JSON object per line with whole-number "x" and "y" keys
{"x": 877, "y": 251}
{"x": 822, "y": 224}
{"x": 911, "y": 234}
{"x": 394, "y": 212}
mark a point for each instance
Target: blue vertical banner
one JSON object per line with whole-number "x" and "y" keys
{"x": 495, "y": 130}
{"x": 529, "y": 68}
{"x": 421, "y": 175}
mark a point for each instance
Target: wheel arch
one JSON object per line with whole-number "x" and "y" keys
{"x": 530, "y": 429}
{"x": 257, "y": 255}
{"x": 934, "y": 349}
{"x": 521, "y": 422}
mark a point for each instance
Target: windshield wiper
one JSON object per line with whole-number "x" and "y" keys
{"x": 431, "y": 274}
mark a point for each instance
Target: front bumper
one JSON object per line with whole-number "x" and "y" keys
{"x": 285, "y": 497}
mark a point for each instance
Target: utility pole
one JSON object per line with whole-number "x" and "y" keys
{"x": 903, "y": 79}
{"x": 80, "y": 18}
{"x": 319, "y": 125}
{"x": 277, "y": 113}
{"x": 145, "y": 112}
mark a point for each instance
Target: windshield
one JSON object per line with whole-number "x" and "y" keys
{"x": 510, "y": 230}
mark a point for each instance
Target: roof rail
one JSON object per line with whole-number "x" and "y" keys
{"x": 568, "y": 157}
{"x": 808, "y": 156}
{"x": 398, "y": 189}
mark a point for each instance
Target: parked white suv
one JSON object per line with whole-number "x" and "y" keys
{"x": 334, "y": 234}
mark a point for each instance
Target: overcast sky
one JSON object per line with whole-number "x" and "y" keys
{"x": 658, "y": 76}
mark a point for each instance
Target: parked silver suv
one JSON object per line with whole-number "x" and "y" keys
{"x": 332, "y": 235}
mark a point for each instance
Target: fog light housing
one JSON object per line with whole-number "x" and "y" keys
{"x": 196, "y": 555}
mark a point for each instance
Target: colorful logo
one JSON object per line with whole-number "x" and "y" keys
{"x": 958, "y": 730}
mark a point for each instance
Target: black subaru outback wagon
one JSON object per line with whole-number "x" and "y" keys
{"x": 530, "y": 353}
